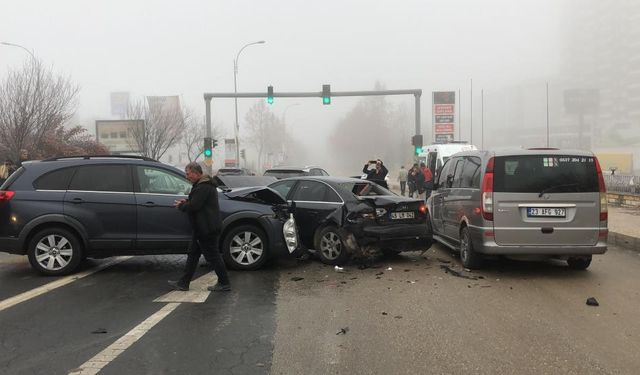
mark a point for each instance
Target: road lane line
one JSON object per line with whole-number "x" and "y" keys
{"x": 9, "y": 302}
{"x": 197, "y": 292}
{"x": 100, "y": 360}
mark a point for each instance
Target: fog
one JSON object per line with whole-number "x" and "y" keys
{"x": 508, "y": 50}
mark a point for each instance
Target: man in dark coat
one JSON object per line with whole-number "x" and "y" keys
{"x": 204, "y": 215}
{"x": 376, "y": 174}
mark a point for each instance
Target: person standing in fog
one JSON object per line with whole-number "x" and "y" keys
{"x": 376, "y": 172}
{"x": 204, "y": 216}
{"x": 402, "y": 178}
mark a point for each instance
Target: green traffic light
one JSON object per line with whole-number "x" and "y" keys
{"x": 418, "y": 150}
{"x": 270, "y": 99}
{"x": 326, "y": 100}
{"x": 207, "y": 153}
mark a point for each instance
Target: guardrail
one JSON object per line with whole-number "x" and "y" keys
{"x": 622, "y": 183}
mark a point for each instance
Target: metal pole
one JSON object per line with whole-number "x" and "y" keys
{"x": 471, "y": 120}
{"x": 237, "y": 127}
{"x": 459, "y": 103}
{"x": 482, "y": 120}
{"x": 417, "y": 100}
{"x": 207, "y": 129}
{"x": 19, "y": 46}
{"x": 547, "y": 114}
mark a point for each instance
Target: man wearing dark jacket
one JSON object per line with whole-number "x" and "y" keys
{"x": 204, "y": 215}
{"x": 377, "y": 174}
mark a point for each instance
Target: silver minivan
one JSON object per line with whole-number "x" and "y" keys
{"x": 521, "y": 203}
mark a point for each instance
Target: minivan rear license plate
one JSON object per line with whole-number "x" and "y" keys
{"x": 546, "y": 212}
{"x": 402, "y": 215}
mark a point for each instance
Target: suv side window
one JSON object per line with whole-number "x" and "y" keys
{"x": 310, "y": 191}
{"x": 470, "y": 173}
{"x": 458, "y": 163}
{"x": 157, "y": 181}
{"x": 102, "y": 178}
{"x": 283, "y": 187}
{"x": 56, "y": 180}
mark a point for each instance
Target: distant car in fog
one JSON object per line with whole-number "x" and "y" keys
{"x": 235, "y": 172}
{"x": 285, "y": 172}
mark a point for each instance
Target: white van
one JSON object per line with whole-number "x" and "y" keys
{"x": 436, "y": 154}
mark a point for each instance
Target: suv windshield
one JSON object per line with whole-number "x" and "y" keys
{"x": 545, "y": 174}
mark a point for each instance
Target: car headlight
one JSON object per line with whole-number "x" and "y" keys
{"x": 290, "y": 234}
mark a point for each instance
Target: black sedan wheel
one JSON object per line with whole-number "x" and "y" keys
{"x": 330, "y": 247}
{"x": 55, "y": 252}
{"x": 245, "y": 248}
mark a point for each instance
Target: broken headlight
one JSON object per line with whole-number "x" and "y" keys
{"x": 290, "y": 234}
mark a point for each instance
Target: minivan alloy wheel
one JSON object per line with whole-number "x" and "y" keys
{"x": 330, "y": 245}
{"x": 53, "y": 252}
{"x": 246, "y": 248}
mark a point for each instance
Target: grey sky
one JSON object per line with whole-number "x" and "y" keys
{"x": 187, "y": 48}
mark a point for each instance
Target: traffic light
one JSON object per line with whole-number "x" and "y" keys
{"x": 270, "y": 94}
{"x": 208, "y": 152}
{"x": 214, "y": 143}
{"x": 416, "y": 142}
{"x": 242, "y": 153}
{"x": 326, "y": 94}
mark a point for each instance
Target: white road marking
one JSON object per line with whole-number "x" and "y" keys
{"x": 9, "y": 302}
{"x": 100, "y": 360}
{"x": 197, "y": 292}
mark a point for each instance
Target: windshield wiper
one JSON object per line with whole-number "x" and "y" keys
{"x": 554, "y": 187}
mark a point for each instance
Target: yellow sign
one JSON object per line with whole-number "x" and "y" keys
{"x": 208, "y": 162}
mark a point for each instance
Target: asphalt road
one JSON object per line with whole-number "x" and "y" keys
{"x": 295, "y": 318}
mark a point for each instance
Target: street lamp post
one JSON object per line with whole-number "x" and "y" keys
{"x": 19, "y": 46}
{"x": 235, "y": 90}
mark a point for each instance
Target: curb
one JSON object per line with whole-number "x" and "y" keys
{"x": 622, "y": 240}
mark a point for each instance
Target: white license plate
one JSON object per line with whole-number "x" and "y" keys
{"x": 402, "y": 215}
{"x": 546, "y": 212}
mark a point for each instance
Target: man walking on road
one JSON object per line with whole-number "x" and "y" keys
{"x": 402, "y": 178}
{"x": 204, "y": 215}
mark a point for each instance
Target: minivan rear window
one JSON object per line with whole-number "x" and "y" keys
{"x": 545, "y": 174}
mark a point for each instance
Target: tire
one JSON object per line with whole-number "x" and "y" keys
{"x": 245, "y": 247}
{"x": 581, "y": 263}
{"x": 330, "y": 247}
{"x": 470, "y": 259}
{"x": 55, "y": 251}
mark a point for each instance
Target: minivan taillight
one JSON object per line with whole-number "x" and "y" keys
{"x": 603, "y": 192}
{"x": 487, "y": 192}
{"x": 6, "y": 195}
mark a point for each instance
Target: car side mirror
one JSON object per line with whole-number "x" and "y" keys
{"x": 449, "y": 180}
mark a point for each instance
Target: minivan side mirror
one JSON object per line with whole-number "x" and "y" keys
{"x": 449, "y": 180}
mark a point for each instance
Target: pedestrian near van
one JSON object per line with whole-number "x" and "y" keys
{"x": 204, "y": 216}
{"x": 428, "y": 179}
{"x": 402, "y": 178}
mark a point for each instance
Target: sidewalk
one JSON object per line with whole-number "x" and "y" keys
{"x": 624, "y": 227}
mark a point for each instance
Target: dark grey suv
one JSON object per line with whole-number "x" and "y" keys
{"x": 62, "y": 210}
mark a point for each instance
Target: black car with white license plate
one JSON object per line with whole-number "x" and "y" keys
{"x": 337, "y": 216}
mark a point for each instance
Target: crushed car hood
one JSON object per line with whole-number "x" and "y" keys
{"x": 262, "y": 193}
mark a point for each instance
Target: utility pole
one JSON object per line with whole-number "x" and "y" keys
{"x": 471, "y": 120}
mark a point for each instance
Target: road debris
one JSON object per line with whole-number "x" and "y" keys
{"x": 443, "y": 260}
{"x": 343, "y": 331}
{"x": 384, "y": 313}
{"x": 591, "y": 301}
{"x": 99, "y": 331}
{"x": 453, "y": 272}
{"x": 398, "y": 317}
{"x": 389, "y": 269}
{"x": 338, "y": 269}
{"x": 297, "y": 278}
{"x": 379, "y": 273}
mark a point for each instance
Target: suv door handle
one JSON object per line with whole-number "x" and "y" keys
{"x": 149, "y": 204}
{"x": 77, "y": 200}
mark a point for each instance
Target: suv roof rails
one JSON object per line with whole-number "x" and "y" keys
{"x": 86, "y": 157}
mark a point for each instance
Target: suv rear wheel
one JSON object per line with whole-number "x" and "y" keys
{"x": 581, "y": 263}
{"x": 470, "y": 259}
{"x": 55, "y": 251}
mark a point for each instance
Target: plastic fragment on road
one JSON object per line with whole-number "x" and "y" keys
{"x": 389, "y": 269}
{"x": 338, "y": 269}
{"x": 297, "y": 278}
{"x": 343, "y": 331}
{"x": 453, "y": 272}
{"x": 591, "y": 301}
{"x": 99, "y": 331}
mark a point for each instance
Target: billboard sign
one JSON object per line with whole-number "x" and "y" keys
{"x": 230, "y": 152}
{"x": 119, "y": 103}
{"x": 444, "y": 109}
{"x": 118, "y": 135}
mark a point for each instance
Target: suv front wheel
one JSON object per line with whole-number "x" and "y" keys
{"x": 55, "y": 251}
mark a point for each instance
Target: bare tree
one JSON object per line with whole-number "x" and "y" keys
{"x": 162, "y": 127}
{"x": 34, "y": 102}
{"x": 265, "y": 130}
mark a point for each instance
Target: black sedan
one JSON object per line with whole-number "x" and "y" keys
{"x": 340, "y": 216}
